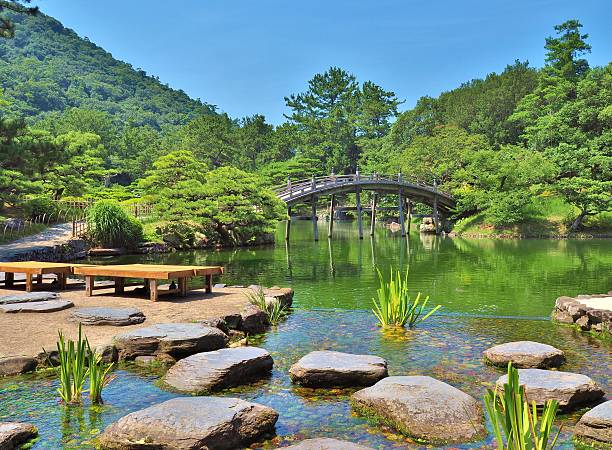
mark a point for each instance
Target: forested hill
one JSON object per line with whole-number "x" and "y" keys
{"x": 47, "y": 67}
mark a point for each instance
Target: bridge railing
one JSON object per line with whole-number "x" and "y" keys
{"x": 301, "y": 187}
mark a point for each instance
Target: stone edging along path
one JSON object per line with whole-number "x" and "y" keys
{"x": 589, "y": 312}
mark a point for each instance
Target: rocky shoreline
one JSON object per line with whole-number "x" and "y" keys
{"x": 588, "y": 312}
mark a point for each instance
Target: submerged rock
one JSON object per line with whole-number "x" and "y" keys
{"x": 227, "y": 367}
{"x": 327, "y": 368}
{"x": 595, "y": 427}
{"x": 191, "y": 423}
{"x": 40, "y": 296}
{"x": 176, "y": 339}
{"x": 525, "y": 354}
{"x": 569, "y": 389}
{"x": 46, "y": 306}
{"x": 117, "y": 317}
{"x": 14, "y": 434}
{"x": 423, "y": 408}
{"x": 326, "y": 444}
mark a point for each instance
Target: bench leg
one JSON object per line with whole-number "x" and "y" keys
{"x": 9, "y": 279}
{"x": 119, "y": 285}
{"x": 28, "y": 282}
{"x": 61, "y": 281}
{"x": 208, "y": 284}
{"x": 153, "y": 290}
{"x": 89, "y": 284}
{"x": 39, "y": 278}
{"x": 182, "y": 282}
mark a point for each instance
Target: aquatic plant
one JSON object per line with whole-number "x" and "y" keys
{"x": 515, "y": 423}
{"x": 98, "y": 375}
{"x": 395, "y": 307}
{"x": 275, "y": 310}
{"x": 72, "y": 370}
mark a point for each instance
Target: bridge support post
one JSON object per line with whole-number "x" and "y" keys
{"x": 315, "y": 226}
{"x": 409, "y": 214}
{"x": 436, "y": 217}
{"x": 373, "y": 220}
{"x": 288, "y": 224}
{"x": 401, "y": 213}
{"x": 359, "y": 218}
{"x": 332, "y": 206}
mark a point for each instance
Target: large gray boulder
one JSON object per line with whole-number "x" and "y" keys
{"x": 16, "y": 365}
{"x": 14, "y": 434}
{"x": 117, "y": 317}
{"x": 328, "y": 368}
{"x": 191, "y": 423}
{"x": 326, "y": 444}
{"x": 595, "y": 427}
{"x": 525, "y": 354}
{"x": 569, "y": 389}
{"x": 176, "y": 339}
{"x": 253, "y": 320}
{"x": 46, "y": 306}
{"x": 204, "y": 372}
{"x": 40, "y": 296}
{"x": 423, "y": 408}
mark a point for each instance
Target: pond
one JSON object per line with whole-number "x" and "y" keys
{"x": 492, "y": 291}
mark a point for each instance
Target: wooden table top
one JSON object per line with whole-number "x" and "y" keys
{"x": 36, "y": 267}
{"x": 154, "y": 271}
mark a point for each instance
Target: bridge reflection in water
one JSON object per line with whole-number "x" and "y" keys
{"x": 408, "y": 191}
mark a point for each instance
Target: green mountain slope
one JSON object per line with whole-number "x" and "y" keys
{"x": 47, "y": 67}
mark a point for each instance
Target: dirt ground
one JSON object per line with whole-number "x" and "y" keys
{"x": 28, "y": 333}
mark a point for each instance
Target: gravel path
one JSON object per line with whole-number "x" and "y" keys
{"x": 55, "y": 235}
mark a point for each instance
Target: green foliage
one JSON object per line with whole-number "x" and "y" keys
{"x": 181, "y": 234}
{"x": 171, "y": 169}
{"x": 110, "y": 225}
{"x": 275, "y": 310}
{"x": 515, "y": 423}
{"x": 297, "y": 168}
{"x": 7, "y": 27}
{"x": 99, "y": 374}
{"x": 38, "y": 206}
{"x": 395, "y": 307}
{"x": 72, "y": 369}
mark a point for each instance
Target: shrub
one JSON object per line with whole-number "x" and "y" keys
{"x": 181, "y": 234}
{"x": 110, "y": 225}
{"x": 515, "y": 422}
{"x": 395, "y": 306}
{"x": 38, "y": 206}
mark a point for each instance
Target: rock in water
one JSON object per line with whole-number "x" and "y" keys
{"x": 525, "y": 354}
{"x": 176, "y": 339}
{"x": 254, "y": 320}
{"x": 327, "y": 368}
{"x": 28, "y": 297}
{"x": 14, "y": 434}
{"x": 423, "y": 408}
{"x": 15, "y": 365}
{"x": 595, "y": 427}
{"x": 191, "y": 423}
{"x": 117, "y": 317}
{"x": 227, "y": 367}
{"x": 569, "y": 389}
{"x": 46, "y": 306}
{"x": 326, "y": 444}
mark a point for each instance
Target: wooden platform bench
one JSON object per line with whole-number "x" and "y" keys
{"x": 150, "y": 273}
{"x": 35, "y": 269}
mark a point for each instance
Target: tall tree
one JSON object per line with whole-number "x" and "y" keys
{"x": 564, "y": 50}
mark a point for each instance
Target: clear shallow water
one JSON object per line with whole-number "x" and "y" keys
{"x": 480, "y": 283}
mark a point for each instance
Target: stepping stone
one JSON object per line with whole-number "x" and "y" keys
{"x": 326, "y": 444}
{"x": 525, "y": 355}
{"x": 569, "y": 389}
{"x": 16, "y": 365}
{"x": 40, "y": 296}
{"x": 175, "y": 339}
{"x": 14, "y": 434}
{"x": 192, "y": 423}
{"x": 227, "y": 367}
{"x": 328, "y": 369}
{"x": 107, "y": 316}
{"x": 595, "y": 427}
{"x": 254, "y": 320}
{"x": 37, "y": 307}
{"x": 423, "y": 408}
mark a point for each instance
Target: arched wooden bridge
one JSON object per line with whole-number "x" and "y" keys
{"x": 408, "y": 191}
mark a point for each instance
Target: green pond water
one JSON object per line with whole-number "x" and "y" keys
{"x": 492, "y": 291}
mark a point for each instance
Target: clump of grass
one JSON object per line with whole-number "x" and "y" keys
{"x": 77, "y": 362}
{"x": 515, "y": 424}
{"x": 395, "y": 307}
{"x": 274, "y": 309}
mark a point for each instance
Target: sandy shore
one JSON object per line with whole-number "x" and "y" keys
{"x": 28, "y": 333}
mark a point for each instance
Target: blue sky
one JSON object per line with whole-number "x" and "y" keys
{"x": 245, "y": 55}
